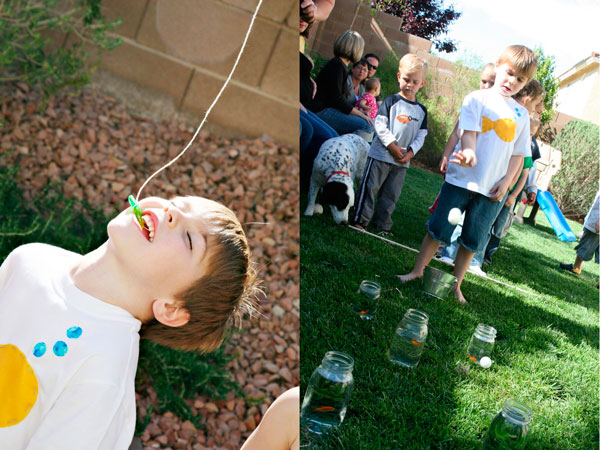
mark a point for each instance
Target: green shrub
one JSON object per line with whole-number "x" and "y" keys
{"x": 443, "y": 109}
{"x": 576, "y": 183}
{"x": 28, "y": 54}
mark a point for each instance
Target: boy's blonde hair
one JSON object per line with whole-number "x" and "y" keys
{"x": 533, "y": 90}
{"x": 349, "y": 45}
{"x": 523, "y": 59}
{"x": 222, "y": 295}
{"x": 411, "y": 63}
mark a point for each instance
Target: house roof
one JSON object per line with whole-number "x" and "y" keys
{"x": 585, "y": 65}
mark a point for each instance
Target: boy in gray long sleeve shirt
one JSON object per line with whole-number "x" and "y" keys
{"x": 401, "y": 127}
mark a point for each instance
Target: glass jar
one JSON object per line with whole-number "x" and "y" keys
{"x": 482, "y": 343}
{"x": 509, "y": 428}
{"x": 409, "y": 339}
{"x": 328, "y": 393}
{"x": 366, "y": 306}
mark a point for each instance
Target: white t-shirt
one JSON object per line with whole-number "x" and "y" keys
{"x": 502, "y": 127}
{"x": 593, "y": 215}
{"x": 67, "y": 359}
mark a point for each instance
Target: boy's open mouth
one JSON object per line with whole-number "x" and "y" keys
{"x": 150, "y": 225}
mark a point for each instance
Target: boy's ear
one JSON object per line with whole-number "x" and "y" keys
{"x": 169, "y": 314}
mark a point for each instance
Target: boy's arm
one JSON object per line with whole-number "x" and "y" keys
{"x": 450, "y": 145}
{"x": 466, "y": 155}
{"x": 499, "y": 189}
{"x": 512, "y": 197}
{"x": 416, "y": 145}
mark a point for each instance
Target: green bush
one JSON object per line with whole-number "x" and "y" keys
{"x": 28, "y": 54}
{"x": 576, "y": 183}
{"x": 443, "y": 109}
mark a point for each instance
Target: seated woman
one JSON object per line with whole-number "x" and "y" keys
{"x": 331, "y": 102}
{"x": 356, "y": 79}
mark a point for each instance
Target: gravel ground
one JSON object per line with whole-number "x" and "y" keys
{"x": 103, "y": 153}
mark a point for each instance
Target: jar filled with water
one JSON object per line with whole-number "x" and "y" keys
{"x": 369, "y": 292}
{"x": 328, "y": 393}
{"x": 509, "y": 428}
{"x": 409, "y": 340}
{"x": 481, "y": 343}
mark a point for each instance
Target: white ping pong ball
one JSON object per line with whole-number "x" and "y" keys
{"x": 454, "y": 216}
{"x": 485, "y": 362}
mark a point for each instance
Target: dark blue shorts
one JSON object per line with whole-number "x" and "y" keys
{"x": 480, "y": 215}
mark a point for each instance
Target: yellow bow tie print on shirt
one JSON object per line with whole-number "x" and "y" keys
{"x": 504, "y": 128}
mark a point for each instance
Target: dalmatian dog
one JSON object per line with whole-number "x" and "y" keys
{"x": 340, "y": 163}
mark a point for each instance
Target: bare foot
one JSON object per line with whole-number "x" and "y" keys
{"x": 409, "y": 276}
{"x": 460, "y": 297}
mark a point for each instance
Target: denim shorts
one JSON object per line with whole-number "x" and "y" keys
{"x": 480, "y": 215}
{"x": 587, "y": 246}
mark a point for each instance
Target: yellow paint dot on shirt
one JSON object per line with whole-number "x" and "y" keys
{"x": 18, "y": 386}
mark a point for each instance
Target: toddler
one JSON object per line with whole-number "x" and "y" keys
{"x": 495, "y": 137}
{"x": 368, "y": 102}
{"x": 401, "y": 127}
{"x": 70, "y": 324}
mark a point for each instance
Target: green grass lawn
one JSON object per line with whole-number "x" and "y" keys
{"x": 546, "y": 352}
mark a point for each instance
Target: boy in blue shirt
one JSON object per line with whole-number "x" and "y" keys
{"x": 495, "y": 138}
{"x": 401, "y": 127}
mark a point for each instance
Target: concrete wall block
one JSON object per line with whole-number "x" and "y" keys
{"x": 130, "y": 11}
{"x": 419, "y": 42}
{"x": 444, "y": 64}
{"x": 389, "y": 21}
{"x": 150, "y": 69}
{"x": 242, "y": 109}
{"x": 195, "y": 33}
{"x": 282, "y": 75}
{"x": 277, "y": 10}
{"x": 395, "y": 35}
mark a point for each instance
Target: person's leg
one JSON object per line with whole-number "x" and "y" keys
{"x": 584, "y": 250}
{"x": 375, "y": 174}
{"x": 498, "y": 231}
{"x": 461, "y": 265}
{"x": 321, "y": 133}
{"x": 438, "y": 227}
{"x": 426, "y": 252}
{"x": 388, "y": 197}
{"x": 480, "y": 215}
{"x": 450, "y": 250}
{"x": 344, "y": 123}
{"x": 306, "y": 131}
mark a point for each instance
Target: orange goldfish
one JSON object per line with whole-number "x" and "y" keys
{"x": 415, "y": 342}
{"x": 325, "y": 408}
{"x": 472, "y": 358}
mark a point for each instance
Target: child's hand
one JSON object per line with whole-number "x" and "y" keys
{"x": 309, "y": 10}
{"x": 444, "y": 165}
{"x": 510, "y": 201}
{"x": 396, "y": 152}
{"x": 597, "y": 227}
{"x": 407, "y": 155}
{"x": 464, "y": 158}
{"x": 498, "y": 190}
{"x": 531, "y": 198}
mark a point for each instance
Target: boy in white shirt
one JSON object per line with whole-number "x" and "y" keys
{"x": 495, "y": 138}
{"x": 69, "y": 323}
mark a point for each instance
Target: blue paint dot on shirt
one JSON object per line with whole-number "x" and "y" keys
{"x": 39, "y": 349}
{"x": 74, "y": 332}
{"x": 60, "y": 348}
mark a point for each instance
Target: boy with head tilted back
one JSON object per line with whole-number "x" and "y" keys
{"x": 70, "y": 324}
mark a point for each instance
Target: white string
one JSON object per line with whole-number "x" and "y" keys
{"x": 210, "y": 107}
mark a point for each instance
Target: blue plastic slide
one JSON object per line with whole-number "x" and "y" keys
{"x": 555, "y": 216}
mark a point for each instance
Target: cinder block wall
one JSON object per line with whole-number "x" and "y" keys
{"x": 176, "y": 56}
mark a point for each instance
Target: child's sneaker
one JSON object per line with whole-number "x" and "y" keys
{"x": 570, "y": 268}
{"x": 386, "y": 234}
{"x": 476, "y": 270}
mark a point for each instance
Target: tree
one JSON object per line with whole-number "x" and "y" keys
{"x": 424, "y": 18}
{"x": 27, "y": 53}
{"x": 545, "y": 75}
